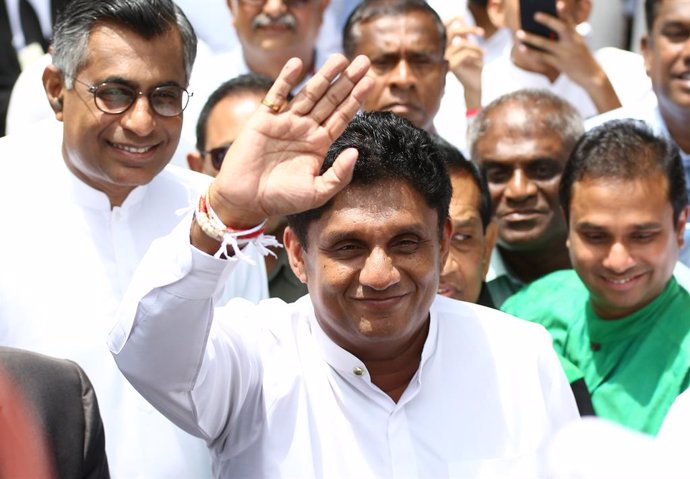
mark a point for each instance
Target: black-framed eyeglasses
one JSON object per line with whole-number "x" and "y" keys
{"x": 288, "y": 3}
{"x": 217, "y": 155}
{"x": 115, "y": 98}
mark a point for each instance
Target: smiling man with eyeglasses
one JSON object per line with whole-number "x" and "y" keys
{"x": 89, "y": 195}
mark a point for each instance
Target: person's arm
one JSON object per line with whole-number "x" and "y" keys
{"x": 571, "y": 56}
{"x": 465, "y": 60}
{"x": 164, "y": 331}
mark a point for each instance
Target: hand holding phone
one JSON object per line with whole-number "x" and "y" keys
{"x": 527, "y": 10}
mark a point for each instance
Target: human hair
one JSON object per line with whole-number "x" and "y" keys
{"x": 544, "y": 112}
{"x": 369, "y": 10}
{"x": 250, "y": 83}
{"x": 390, "y": 148}
{"x": 651, "y": 8}
{"x": 624, "y": 150}
{"x": 458, "y": 164}
{"x": 147, "y": 18}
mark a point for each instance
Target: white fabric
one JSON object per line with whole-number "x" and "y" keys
{"x": 275, "y": 397}
{"x": 28, "y": 103}
{"x": 675, "y": 430}
{"x": 597, "y": 449}
{"x": 624, "y": 69}
{"x": 67, "y": 259}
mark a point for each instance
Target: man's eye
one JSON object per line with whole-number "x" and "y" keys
{"x": 544, "y": 171}
{"x": 461, "y": 237}
{"x": 592, "y": 237}
{"x": 676, "y": 34}
{"x": 406, "y": 245}
{"x": 498, "y": 175}
{"x": 383, "y": 64}
{"x": 644, "y": 237}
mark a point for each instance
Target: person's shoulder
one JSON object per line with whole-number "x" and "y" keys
{"x": 546, "y": 294}
{"x": 42, "y": 368}
{"x": 463, "y": 318}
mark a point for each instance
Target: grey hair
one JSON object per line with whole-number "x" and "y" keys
{"x": 148, "y": 18}
{"x": 548, "y": 112}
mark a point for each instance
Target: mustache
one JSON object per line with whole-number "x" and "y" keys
{"x": 286, "y": 19}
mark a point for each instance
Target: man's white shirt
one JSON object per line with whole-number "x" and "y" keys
{"x": 67, "y": 259}
{"x": 274, "y": 396}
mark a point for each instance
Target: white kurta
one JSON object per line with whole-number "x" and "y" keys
{"x": 276, "y": 398}
{"x": 625, "y": 70}
{"x": 66, "y": 259}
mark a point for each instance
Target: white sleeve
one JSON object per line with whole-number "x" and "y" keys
{"x": 161, "y": 343}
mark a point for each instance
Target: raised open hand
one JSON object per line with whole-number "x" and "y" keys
{"x": 273, "y": 166}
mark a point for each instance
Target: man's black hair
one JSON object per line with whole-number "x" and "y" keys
{"x": 240, "y": 85}
{"x": 147, "y": 18}
{"x": 457, "y": 163}
{"x": 390, "y": 148}
{"x": 625, "y": 150}
{"x": 369, "y": 10}
{"x": 651, "y": 8}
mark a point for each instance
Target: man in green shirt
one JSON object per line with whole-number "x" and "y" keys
{"x": 620, "y": 316}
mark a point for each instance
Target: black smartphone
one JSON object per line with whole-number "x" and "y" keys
{"x": 527, "y": 10}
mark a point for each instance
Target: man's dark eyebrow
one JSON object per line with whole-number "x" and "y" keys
{"x": 334, "y": 237}
{"x": 471, "y": 221}
{"x": 585, "y": 225}
{"x": 131, "y": 84}
{"x": 642, "y": 226}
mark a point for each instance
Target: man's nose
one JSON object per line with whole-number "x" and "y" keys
{"x": 140, "y": 118}
{"x": 378, "y": 271}
{"x": 619, "y": 259}
{"x": 402, "y": 75}
{"x": 520, "y": 187}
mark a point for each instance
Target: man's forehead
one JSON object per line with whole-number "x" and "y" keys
{"x": 415, "y": 23}
{"x": 115, "y": 47}
{"x": 672, "y": 10}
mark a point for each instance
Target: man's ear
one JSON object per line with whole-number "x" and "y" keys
{"x": 295, "y": 252}
{"x": 496, "y": 11}
{"x": 195, "y": 161}
{"x": 232, "y": 12}
{"x": 54, "y": 86}
{"x": 490, "y": 237}
{"x": 681, "y": 225}
{"x": 647, "y": 52}
{"x": 445, "y": 240}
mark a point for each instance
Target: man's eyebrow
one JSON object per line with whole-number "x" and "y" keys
{"x": 586, "y": 225}
{"x": 641, "y": 226}
{"x": 131, "y": 84}
{"x": 463, "y": 222}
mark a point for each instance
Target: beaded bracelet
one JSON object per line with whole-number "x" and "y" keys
{"x": 213, "y": 227}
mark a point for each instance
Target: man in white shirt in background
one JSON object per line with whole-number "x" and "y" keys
{"x": 371, "y": 375}
{"x": 269, "y": 32}
{"x": 595, "y": 82}
{"x": 87, "y": 194}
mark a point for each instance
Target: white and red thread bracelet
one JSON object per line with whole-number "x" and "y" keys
{"x": 213, "y": 227}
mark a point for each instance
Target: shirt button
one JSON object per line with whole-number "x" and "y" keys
{"x": 595, "y": 346}
{"x": 358, "y": 371}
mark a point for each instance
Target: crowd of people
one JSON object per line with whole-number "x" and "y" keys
{"x": 373, "y": 238}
